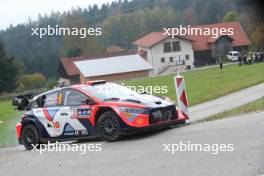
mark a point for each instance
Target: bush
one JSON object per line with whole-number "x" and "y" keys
{"x": 51, "y": 83}
{"x": 28, "y": 82}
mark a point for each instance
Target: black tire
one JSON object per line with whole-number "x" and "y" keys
{"x": 108, "y": 126}
{"x": 30, "y": 136}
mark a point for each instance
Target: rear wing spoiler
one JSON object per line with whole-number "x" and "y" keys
{"x": 21, "y": 102}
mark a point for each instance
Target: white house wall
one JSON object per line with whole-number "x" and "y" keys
{"x": 155, "y": 54}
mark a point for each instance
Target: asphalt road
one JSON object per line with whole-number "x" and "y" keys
{"x": 144, "y": 155}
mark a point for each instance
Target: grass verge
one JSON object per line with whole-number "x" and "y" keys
{"x": 254, "y": 106}
{"x": 208, "y": 84}
{"x": 8, "y": 119}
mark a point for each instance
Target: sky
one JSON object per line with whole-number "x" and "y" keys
{"x": 18, "y": 11}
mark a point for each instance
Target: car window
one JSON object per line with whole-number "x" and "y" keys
{"x": 73, "y": 97}
{"x": 34, "y": 104}
{"x": 52, "y": 99}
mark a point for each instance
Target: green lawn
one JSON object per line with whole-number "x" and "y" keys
{"x": 257, "y": 105}
{"x": 8, "y": 118}
{"x": 208, "y": 84}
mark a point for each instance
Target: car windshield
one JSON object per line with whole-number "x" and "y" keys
{"x": 109, "y": 91}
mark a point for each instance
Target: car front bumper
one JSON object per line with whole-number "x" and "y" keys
{"x": 131, "y": 130}
{"x": 18, "y": 131}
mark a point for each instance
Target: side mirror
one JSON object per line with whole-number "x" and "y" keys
{"x": 89, "y": 102}
{"x": 41, "y": 100}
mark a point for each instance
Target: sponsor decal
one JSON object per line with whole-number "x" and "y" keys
{"x": 59, "y": 99}
{"x": 81, "y": 113}
{"x": 50, "y": 113}
{"x": 56, "y": 124}
{"x": 81, "y": 132}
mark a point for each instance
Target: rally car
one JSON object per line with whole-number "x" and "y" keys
{"x": 94, "y": 109}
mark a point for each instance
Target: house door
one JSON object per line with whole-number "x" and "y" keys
{"x": 179, "y": 60}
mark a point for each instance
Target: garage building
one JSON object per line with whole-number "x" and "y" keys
{"x": 114, "y": 68}
{"x": 107, "y": 66}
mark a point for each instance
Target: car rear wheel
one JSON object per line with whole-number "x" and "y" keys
{"x": 30, "y": 136}
{"x": 108, "y": 126}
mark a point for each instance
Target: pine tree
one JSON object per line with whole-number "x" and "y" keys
{"x": 8, "y": 71}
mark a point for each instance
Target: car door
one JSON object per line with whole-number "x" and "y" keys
{"x": 74, "y": 118}
{"x": 64, "y": 113}
{"x": 48, "y": 109}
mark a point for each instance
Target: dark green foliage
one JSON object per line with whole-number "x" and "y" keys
{"x": 8, "y": 71}
{"x": 230, "y": 16}
{"x": 122, "y": 22}
{"x": 31, "y": 82}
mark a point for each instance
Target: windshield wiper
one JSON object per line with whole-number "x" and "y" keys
{"x": 112, "y": 99}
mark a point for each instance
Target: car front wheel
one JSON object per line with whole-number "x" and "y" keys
{"x": 108, "y": 126}
{"x": 30, "y": 136}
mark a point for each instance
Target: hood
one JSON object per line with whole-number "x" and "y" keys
{"x": 144, "y": 100}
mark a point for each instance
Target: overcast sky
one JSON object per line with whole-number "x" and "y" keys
{"x": 18, "y": 11}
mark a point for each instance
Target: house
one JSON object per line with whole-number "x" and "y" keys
{"x": 166, "y": 54}
{"x": 109, "y": 66}
{"x": 207, "y": 48}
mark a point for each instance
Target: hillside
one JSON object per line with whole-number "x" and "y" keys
{"x": 122, "y": 22}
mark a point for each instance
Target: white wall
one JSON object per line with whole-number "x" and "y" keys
{"x": 155, "y": 54}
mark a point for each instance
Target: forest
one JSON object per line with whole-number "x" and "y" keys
{"x": 122, "y": 22}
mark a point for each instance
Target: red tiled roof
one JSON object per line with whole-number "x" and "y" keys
{"x": 212, "y": 40}
{"x": 72, "y": 70}
{"x": 154, "y": 38}
{"x": 240, "y": 38}
{"x": 200, "y": 42}
{"x": 150, "y": 39}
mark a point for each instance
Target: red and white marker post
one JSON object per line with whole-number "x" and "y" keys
{"x": 181, "y": 96}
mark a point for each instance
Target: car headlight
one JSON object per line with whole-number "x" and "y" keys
{"x": 133, "y": 110}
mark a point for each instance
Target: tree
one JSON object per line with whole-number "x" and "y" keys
{"x": 230, "y": 16}
{"x": 8, "y": 71}
{"x": 74, "y": 45}
{"x": 257, "y": 37}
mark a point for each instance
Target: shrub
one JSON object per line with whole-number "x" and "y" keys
{"x": 31, "y": 81}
